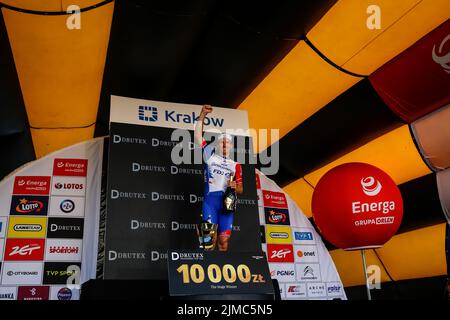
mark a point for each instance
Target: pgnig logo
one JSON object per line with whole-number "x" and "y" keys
{"x": 147, "y": 113}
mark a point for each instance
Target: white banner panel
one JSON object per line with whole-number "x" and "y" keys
{"x": 175, "y": 115}
{"x": 61, "y": 191}
{"x": 296, "y": 254}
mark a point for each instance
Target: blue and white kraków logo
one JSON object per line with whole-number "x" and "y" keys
{"x": 148, "y": 113}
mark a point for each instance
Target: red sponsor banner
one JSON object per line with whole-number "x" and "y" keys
{"x": 24, "y": 249}
{"x": 274, "y": 199}
{"x": 39, "y": 185}
{"x": 258, "y": 182}
{"x": 280, "y": 253}
{"x": 417, "y": 81}
{"x": 70, "y": 167}
{"x": 33, "y": 293}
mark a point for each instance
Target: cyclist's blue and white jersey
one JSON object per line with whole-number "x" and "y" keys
{"x": 218, "y": 170}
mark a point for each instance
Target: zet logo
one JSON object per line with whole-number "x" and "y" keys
{"x": 24, "y": 249}
{"x": 370, "y": 186}
{"x": 147, "y": 113}
{"x": 280, "y": 253}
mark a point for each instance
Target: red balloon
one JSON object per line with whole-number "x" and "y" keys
{"x": 357, "y": 206}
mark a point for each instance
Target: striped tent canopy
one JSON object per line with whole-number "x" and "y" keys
{"x": 337, "y": 90}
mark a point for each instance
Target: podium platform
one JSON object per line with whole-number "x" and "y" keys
{"x": 154, "y": 290}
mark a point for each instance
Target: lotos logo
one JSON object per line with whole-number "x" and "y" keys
{"x": 370, "y": 186}
{"x": 440, "y": 57}
{"x": 280, "y": 253}
{"x": 147, "y": 113}
{"x": 28, "y": 206}
{"x": 69, "y": 186}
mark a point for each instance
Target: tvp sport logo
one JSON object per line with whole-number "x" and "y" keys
{"x": 148, "y": 113}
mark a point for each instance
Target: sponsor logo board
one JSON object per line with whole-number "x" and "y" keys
{"x": 66, "y": 206}
{"x": 31, "y": 185}
{"x": 274, "y": 199}
{"x": 283, "y": 272}
{"x": 70, "y": 167}
{"x": 8, "y": 293}
{"x": 303, "y": 236}
{"x": 65, "y": 228}
{"x": 25, "y": 205}
{"x": 308, "y": 272}
{"x": 278, "y": 234}
{"x": 280, "y": 253}
{"x": 306, "y": 253}
{"x": 68, "y": 186}
{"x": 296, "y": 291}
{"x": 18, "y": 273}
{"x": 63, "y": 250}
{"x": 277, "y": 216}
{"x": 61, "y": 272}
{"x": 33, "y": 293}
{"x": 27, "y": 227}
{"x": 24, "y": 249}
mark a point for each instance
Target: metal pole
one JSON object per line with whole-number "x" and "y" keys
{"x": 365, "y": 275}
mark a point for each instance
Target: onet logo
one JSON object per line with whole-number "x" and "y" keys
{"x": 370, "y": 186}
{"x": 148, "y": 113}
{"x": 441, "y": 58}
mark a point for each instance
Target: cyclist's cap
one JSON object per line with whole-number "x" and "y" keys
{"x": 225, "y": 136}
